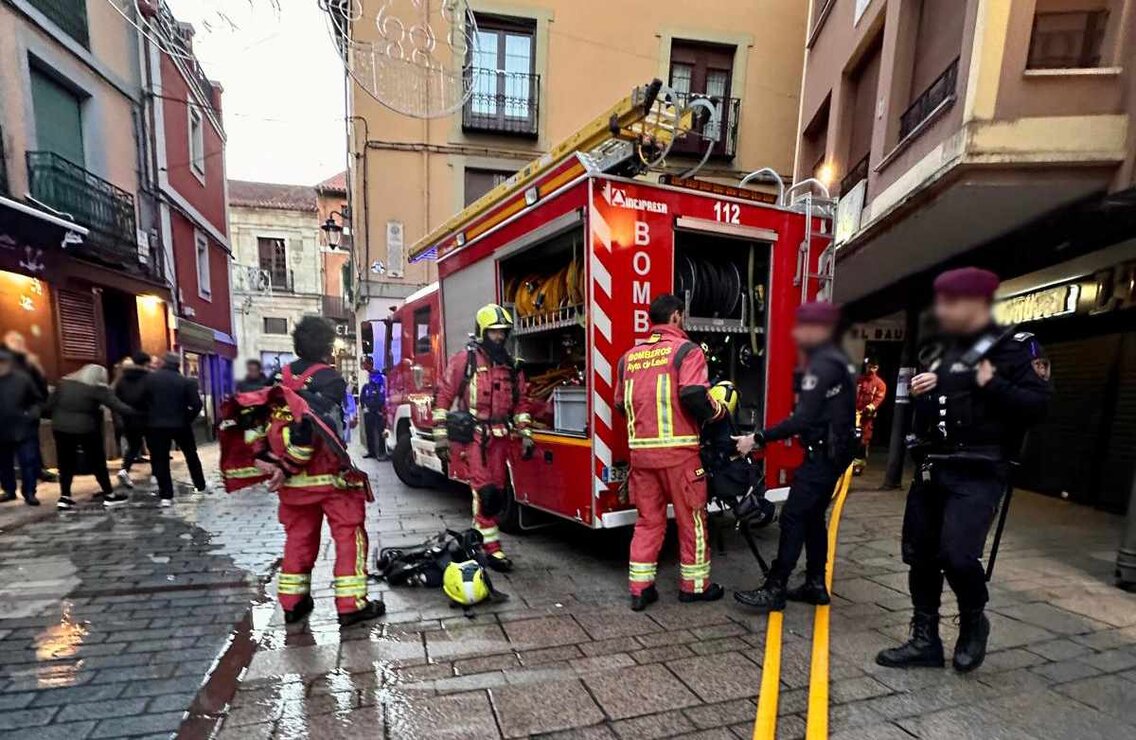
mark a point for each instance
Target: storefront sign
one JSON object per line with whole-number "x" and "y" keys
{"x": 849, "y": 210}
{"x": 1046, "y": 303}
{"x": 877, "y": 332}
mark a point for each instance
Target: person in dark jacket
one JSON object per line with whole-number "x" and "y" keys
{"x": 20, "y": 402}
{"x": 130, "y": 389}
{"x": 254, "y": 379}
{"x": 29, "y": 363}
{"x": 374, "y": 403}
{"x": 171, "y": 402}
{"x": 76, "y": 411}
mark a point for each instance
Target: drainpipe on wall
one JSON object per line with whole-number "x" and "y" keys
{"x": 901, "y": 417}
{"x": 1126, "y": 557}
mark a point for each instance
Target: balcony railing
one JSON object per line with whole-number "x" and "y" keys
{"x": 279, "y": 281}
{"x": 856, "y": 174}
{"x": 102, "y": 207}
{"x": 502, "y": 102}
{"x": 1067, "y": 40}
{"x": 939, "y": 92}
{"x": 694, "y": 143}
{"x": 69, "y": 15}
{"x": 337, "y": 307}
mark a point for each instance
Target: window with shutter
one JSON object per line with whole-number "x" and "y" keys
{"x": 273, "y": 258}
{"x": 79, "y": 336}
{"x": 58, "y": 117}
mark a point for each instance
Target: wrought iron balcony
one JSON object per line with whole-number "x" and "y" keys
{"x": 502, "y": 103}
{"x": 105, "y": 209}
{"x": 856, "y": 174}
{"x": 694, "y": 144}
{"x": 69, "y": 15}
{"x": 941, "y": 91}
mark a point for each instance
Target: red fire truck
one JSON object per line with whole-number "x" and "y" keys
{"x": 577, "y": 248}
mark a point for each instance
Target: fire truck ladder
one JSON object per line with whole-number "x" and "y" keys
{"x": 634, "y": 135}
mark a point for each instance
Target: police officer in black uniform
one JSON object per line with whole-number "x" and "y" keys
{"x": 825, "y": 421}
{"x": 980, "y": 388}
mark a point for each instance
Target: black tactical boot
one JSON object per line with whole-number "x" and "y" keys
{"x": 296, "y": 619}
{"x": 812, "y": 591}
{"x": 923, "y": 650}
{"x": 372, "y": 610}
{"x": 970, "y": 650}
{"x": 644, "y": 598}
{"x": 713, "y": 592}
{"x": 769, "y": 598}
{"x": 499, "y": 562}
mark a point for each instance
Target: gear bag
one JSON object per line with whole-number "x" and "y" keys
{"x": 425, "y": 564}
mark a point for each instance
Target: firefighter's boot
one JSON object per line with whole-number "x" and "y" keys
{"x": 296, "y": 619}
{"x": 812, "y": 591}
{"x": 372, "y": 610}
{"x": 498, "y": 561}
{"x": 923, "y": 650}
{"x": 769, "y": 598}
{"x": 970, "y": 650}
{"x": 644, "y": 598}
{"x": 713, "y": 592}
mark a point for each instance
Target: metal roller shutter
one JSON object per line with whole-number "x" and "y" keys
{"x": 79, "y": 337}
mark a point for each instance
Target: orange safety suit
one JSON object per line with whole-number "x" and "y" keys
{"x": 870, "y": 393}
{"x": 277, "y": 424}
{"x": 495, "y": 394}
{"x": 656, "y": 379}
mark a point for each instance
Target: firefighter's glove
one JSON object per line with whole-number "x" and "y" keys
{"x": 528, "y": 447}
{"x": 442, "y": 448}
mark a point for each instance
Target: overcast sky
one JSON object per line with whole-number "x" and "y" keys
{"x": 283, "y": 85}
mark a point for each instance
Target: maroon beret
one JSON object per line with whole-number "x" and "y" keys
{"x": 818, "y": 312}
{"x": 967, "y": 282}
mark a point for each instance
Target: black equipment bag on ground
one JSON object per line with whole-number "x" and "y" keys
{"x": 423, "y": 565}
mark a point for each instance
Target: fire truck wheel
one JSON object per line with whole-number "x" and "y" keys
{"x": 509, "y": 520}
{"x": 402, "y": 460}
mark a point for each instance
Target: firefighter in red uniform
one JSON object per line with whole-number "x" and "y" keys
{"x": 309, "y": 468}
{"x": 489, "y": 391}
{"x": 870, "y": 393}
{"x": 663, "y": 391}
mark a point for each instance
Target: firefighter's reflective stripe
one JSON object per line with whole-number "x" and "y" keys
{"x": 642, "y": 572}
{"x": 241, "y": 473}
{"x": 699, "y": 572}
{"x": 522, "y": 419}
{"x": 315, "y": 481}
{"x": 294, "y": 583}
{"x": 663, "y": 408}
{"x": 351, "y": 586}
{"x": 300, "y": 453}
{"x": 653, "y": 442}
{"x": 473, "y": 390}
{"x": 489, "y": 534}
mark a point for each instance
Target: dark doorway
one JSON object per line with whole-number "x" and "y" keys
{"x": 120, "y": 315}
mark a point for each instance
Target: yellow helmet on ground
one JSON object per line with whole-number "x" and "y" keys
{"x": 492, "y": 316}
{"x": 465, "y": 582}
{"x": 725, "y": 393}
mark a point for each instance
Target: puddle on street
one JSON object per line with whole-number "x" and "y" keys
{"x": 57, "y": 643}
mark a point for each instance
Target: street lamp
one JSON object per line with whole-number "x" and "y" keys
{"x": 332, "y": 230}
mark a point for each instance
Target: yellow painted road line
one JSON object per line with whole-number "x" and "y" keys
{"x": 765, "y": 725}
{"x": 816, "y": 727}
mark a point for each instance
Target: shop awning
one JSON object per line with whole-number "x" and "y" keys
{"x": 195, "y": 337}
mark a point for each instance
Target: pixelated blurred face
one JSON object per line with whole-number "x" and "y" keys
{"x": 961, "y": 314}
{"x": 810, "y": 335}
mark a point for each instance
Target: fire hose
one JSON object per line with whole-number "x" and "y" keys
{"x": 715, "y": 288}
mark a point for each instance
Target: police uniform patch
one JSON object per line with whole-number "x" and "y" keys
{"x": 809, "y": 381}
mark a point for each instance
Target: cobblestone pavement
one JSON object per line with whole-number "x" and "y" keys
{"x": 144, "y": 622}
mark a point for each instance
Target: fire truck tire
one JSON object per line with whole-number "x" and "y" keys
{"x": 402, "y": 460}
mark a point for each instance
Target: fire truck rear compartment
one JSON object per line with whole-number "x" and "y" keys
{"x": 724, "y": 282}
{"x": 545, "y": 287}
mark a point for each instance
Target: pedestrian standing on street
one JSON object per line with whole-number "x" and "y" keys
{"x": 171, "y": 402}
{"x": 824, "y": 420}
{"x": 29, "y": 363}
{"x": 20, "y": 403}
{"x": 981, "y": 388}
{"x": 308, "y": 495}
{"x": 254, "y": 379}
{"x": 374, "y": 410}
{"x": 871, "y": 390}
{"x": 663, "y": 390}
{"x": 131, "y": 390}
{"x": 488, "y": 388}
{"x": 76, "y": 412}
